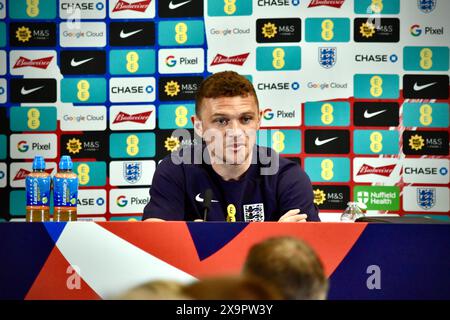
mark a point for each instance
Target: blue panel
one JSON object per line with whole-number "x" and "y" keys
{"x": 24, "y": 248}
{"x": 396, "y": 248}
{"x": 55, "y": 229}
{"x": 223, "y": 233}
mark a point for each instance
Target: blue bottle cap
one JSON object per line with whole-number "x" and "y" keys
{"x": 65, "y": 163}
{"x": 38, "y": 163}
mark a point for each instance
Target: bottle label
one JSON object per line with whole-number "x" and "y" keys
{"x": 38, "y": 190}
{"x": 65, "y": 191}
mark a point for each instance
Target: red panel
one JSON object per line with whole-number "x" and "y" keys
{"x": 168, "y": 241}
{"x": 172, "y": 243}
{"x": 54, "y": 279}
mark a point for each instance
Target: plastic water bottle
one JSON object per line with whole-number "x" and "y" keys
{"x": 37, "y": 186}
{"x": 352, "y": 212}
{"x": 65, "y": 191}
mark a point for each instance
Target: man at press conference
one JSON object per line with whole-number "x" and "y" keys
{"x": 237, "y": 179}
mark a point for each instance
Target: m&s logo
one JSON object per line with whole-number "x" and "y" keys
{"x": 22, "y": 146}
{"x": 121, "y": 201}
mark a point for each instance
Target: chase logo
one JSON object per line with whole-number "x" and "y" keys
{"x": 327, "y": 30}
{"x": 174, "y": 116}
{"x": 36, "y": 9}
{"x": 282, "y": 141}
{"x": 139, "y": 62}
{"x": 121, "y": 201}
{"x": 91, "y": 201}
{"x": 3, "y": 169}
{"x": 278, "y": 58}
{"x": 426, "y": 6}
{"x": 376, "y": 142}
{"x": 132, "y": 145}
{"x": 377, "y": 7}
{"x": 277, "y": 86}
{"x": 2, "y": 9}
{"x": 376, "y": 86}
{"x": 79, "y": 90}
{"x": 93, "y": 9}
{"x": 427, "y": 115}
{"x": 181, "y": 33}
{"x": 221, "y": 8}
{"x": 426, "y": 58}
{"x": 137, "y": 89}
{"x": 336, "y": 114}
{"x": 328, "y": 169}
{"x": 2, "y": 90}
{"x": 90, "y": 174}
{"x": 33, "y": 118}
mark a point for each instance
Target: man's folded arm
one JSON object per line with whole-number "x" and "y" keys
{"x": 295, "y": 192}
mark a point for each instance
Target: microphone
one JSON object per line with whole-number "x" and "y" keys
{"x": 207, "y": 197}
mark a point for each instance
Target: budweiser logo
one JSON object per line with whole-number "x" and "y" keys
{"x": 38, "y": 63}
{"x": 138, "y": 117}
{"x": 22, "y": 174}
{"x": 140, "y": 6}
{"x": 384, "y": 171}
{"x": 329, "y": 3}
{"x": 237, "y": 60}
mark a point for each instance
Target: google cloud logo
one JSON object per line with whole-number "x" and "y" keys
{"x": 171, "y": 61}
{"x": 22, "y": 146}
{"x": 415, "y": 30}
{"x": 121, "y": 201}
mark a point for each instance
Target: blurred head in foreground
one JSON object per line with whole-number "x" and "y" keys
{"x": 156, "y": 290}
{"x": 231, "y": 288}
{"x": 290, "y": 265}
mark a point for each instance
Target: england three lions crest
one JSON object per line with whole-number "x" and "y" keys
{"x": 426, "y": 6}
{"x": 132, "y": 171}
{"x": 254, "y": 212}
{"x": 426, "y": 197}
{"x": 327, "y": 57}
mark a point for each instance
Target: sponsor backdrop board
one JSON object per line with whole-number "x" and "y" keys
{"x": 354, "y": 91}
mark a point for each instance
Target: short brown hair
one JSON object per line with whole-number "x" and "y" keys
{"x": 224, "y": 84}
{"x": 232, "y": 288}
{"x": 290, "y": 265}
